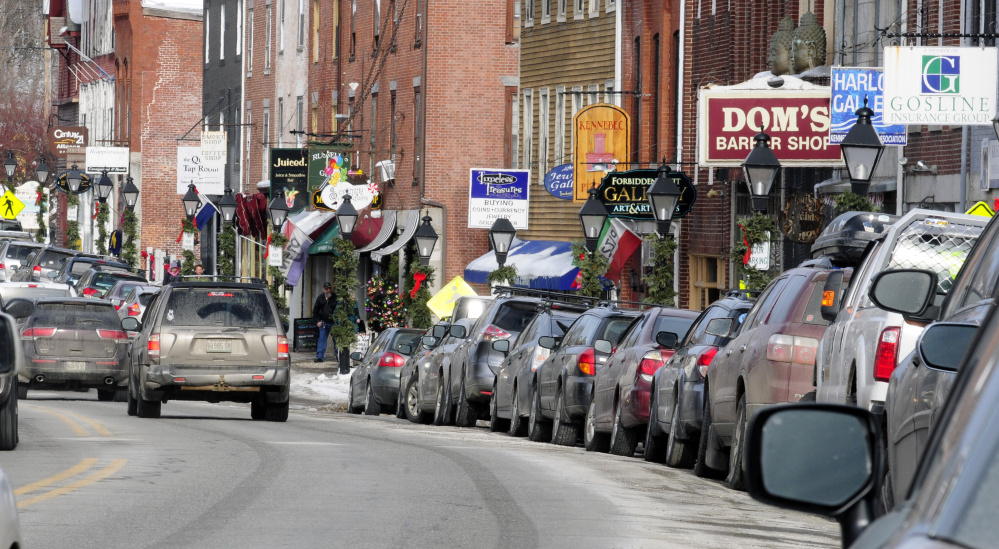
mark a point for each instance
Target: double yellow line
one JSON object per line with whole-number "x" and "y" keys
{"x": 73, "y": 471}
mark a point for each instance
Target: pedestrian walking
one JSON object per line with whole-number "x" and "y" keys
{"x": 322, "y": 311}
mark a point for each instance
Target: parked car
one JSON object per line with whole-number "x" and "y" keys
{"x": 770, "y": 360}
{"x": 98, "y": 281}
{"x": 120, "y": 289}
{"x": 210, "y": 341}
{"x": 825, "y": 458}
{"x": 523, "y": 356}
{"x": 864, "y": 343}
{"x": 11, "y": 364}
{"x": 619, "y": 409}
{"x": 473, "y": 365}
{"x": 10, "y": 529}
{"x": 431, "y": 380}
{"x": 71, "y": 344}
{"x": 12, "y": 256}
{"x": 374, "y": 383}
{"x": 76, "y": 266}
{"x": 136, "y": 301}
{"x": 409, "y": 392}
{"x": 678, "y": 387}
{"x": 41, "y": 262}
{"x": 34, "y": 290}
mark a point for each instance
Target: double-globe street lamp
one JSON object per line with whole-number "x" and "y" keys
{"x": 41, "y": 171}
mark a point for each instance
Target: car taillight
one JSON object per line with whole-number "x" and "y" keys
{"x": 886, "y": 355}
{"x": 89, "y": 292}
{"x": 32, "y": 333}
{"x": 133, "y": 309}
{"x": 492, "y": 333}
{"x": 153, "y": 346}
{"x": 116, "y": 335}
{"x": 704, "y": 360}
{"x": 794, "y": 349}
{"x": 282, "y": 347}
{"x": 540, "y": 356}
{"x": 391, "y": 360}
{"x": 587, "y": 362}
{"x": 652, "y": 361}
{"x": 116, "y": 303}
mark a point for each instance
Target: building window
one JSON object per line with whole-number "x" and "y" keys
{"x": 419, "y": 25}
{"x": 235, "y": 141}
{"x": 208, "y": 28}
{"x": 377, "y": 22}
{"x": 267, "y": 42}
{"x": 592, "y": 94}
{"x": 705, "y": 284}
{"x": 609, "y": 96}
{"x": 249, "y": 135}
{"x": 546, "y": 11}
{"x": 417, "y": 135}
{"x": 528, "y": 127}
{"x": 559, "y": 125}
{"x": 299, "y": 118}
{"x": 222, "y": 34}
{"x": 249, "y": 46}
{"x": 315, "y": 119}
{"x": 353, "y": 28}
{"x": 594, "y": 8}
{"x": 561, "y": 10}
{"x": 543, "y": 121}
{"x": 281, "y": 28}
{"x": 580, "y": 7}
{"x": 315, "y": 31}
{"x": 529, "y": 13}
{"x": 239, "y": 28}
{"x": 280, "y": 139}
{"x": 301, "y": 24}
{"x": 265, "y": 132}
{"x": 611, "y": 5}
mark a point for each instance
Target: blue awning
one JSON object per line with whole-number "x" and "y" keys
{"x": 541, "y": 264}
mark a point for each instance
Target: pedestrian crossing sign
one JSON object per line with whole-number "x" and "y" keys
{"x": 981, "y": 209}
{"x": 10, "y": 206}
{"x": 443, "y": 303}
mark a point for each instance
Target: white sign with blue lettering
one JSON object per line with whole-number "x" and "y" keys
{"x": 849, "y": 87}
{"x": 498, "y": 193}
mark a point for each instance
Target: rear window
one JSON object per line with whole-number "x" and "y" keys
{"x": 123, "y": 289}
{"x": 677, "y": 325}
{"x": 514, "y": 317}
{"x": 813, "y": 309}
{"x": 80, "y": 267}
{"x": 224, "y": 307}
{"x": 469, "y": 308}
{"x": 697, "y": 335}
{"x": 935, "y": 248}
{"x": 144, "y": 298}
{"x": 85, "y": 315}
{"x": 612, "y": 329}
{"x": 53, "y": 259}
{"x": 10, "y": 292}
{"x": 19, "y": 253}
{"x": 406, "y": 338}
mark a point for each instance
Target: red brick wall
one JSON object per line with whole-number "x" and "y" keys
{"x": 258, "y": 86}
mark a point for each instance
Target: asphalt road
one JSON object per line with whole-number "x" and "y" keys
{"x": 205, "y": 475}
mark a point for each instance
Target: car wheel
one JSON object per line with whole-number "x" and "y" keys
{"x": 736, "y": 477}
{"x": 518, "y": 427}
{"x": 538, "y": 430}
{"x": 886, "y": 496}
{"x": 680, "y": 454}
{"x": 351, "y": 408}
{"x": 22, "y": 390}
{"x": 105, "y": 395}
{"x": 623, "y": 440}
{"x": 564, "y": 431}
{"x": 371, "y": 406}
{"x": 496, "y": 423}
{"x": 655, "y": 442}
{"x": 121, "y": 394}
{"x": 400, "y": 402}
{"x": 258, "y": 409}
{"x": 277, "y": 411}
{"x": 133, "y": 404}
{"x": 440, "y": 411}
{"x": 465, "y": 414}
{"x": 594, "y": 441}
{"x": 148, "y": 408}
{"x": 701, "y": 468}
{"x": 8, "y": 423}
{"x": 412, "y": 404}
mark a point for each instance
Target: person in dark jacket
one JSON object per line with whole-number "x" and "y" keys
{"x": 322, "y": 311}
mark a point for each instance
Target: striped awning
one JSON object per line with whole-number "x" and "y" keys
{"x": 386, "y": 232}
{"x": 410, "y": 220}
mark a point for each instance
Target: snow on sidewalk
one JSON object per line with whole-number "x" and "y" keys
{"x": 322, "y": 387}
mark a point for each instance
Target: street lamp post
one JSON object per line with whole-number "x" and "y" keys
{"x": 227, "y": 204}
{"x": 10, "y": 165}
{"x": 663, "y": 196}
{"x": 862, "y": 148}
{"x": 191, "y": 201}
{"x": 104, "y": 187}
{"x": 346, "y": 218}
{"x": 42, "y": 171}
{"x": 501, "y": 236}
{"x": 592, "y": 217}
{"x": 760, "y": 169}
{"x": 426, "y": 239}
{"x": 131, "y": 193}
{"x": 74, "y": 177}
{"x": 278, "y": 210}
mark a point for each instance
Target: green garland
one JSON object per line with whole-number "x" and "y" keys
{"x": 102, "y": 228}
{"x": 754, "y": 230}
{"x": 591, "y": 267}
{"x": 40, "y": 218}
{"x": 660, "y": 279}
{"x": 129, "y": 228}
{"x": 420, "y": 315}
{"x": 72, "y": 226}
{"x": 227, "y": 251}
{"x": 850, "y": 202}
{"x": 187, "y": 263}
{"x": 507, "y": 274}
{"x": 344, "y": 274}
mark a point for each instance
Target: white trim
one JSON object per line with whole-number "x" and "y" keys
{"x": 562, "y": 10}
{"x": 544, "y": 121}
{"x": 546, "y": 11}
{"x": 559, "y": 157}
{"x": 529, "y": 13}
{"x": 528, "y": 133}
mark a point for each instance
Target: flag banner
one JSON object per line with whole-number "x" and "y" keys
{"x": 205, "y": 212}
{"x": 617, "y": 244}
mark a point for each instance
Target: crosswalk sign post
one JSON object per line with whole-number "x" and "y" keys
{"x": 10, "y": 205}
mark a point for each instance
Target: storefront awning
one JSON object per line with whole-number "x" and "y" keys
{"x": 410, "y": 218}
{"x": 839, "y": 186}
{"x": 542, "y": 264}
{"x": 324, "y": 246}
{"x": 386, "y": 232}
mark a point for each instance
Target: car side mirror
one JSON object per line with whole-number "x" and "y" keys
{"x": 502, "y": 345}
{"x": 285, "y": 326}
{"x": 19, "y": 308}
{"x": 603, "y": 346}
{"x": 942, "y": 346}
{"x": 356, "y": 356}
{"x": 905, "y": 291}
{"x": 406, "y": 349}
{"x": 721, "y": 327}
{"x": 429, "y": 341}
{"x": 832, "y": 296}
{"x": 440, "y": 330}
{"x": 816, "y": 458}
{"x": 667, "y": 339}
{"x": 547, "y": 342}
{"x": 458, "y": 331}
{"x": 131, "y": 324}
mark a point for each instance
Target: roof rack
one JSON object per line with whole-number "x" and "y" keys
{"x": 552, "y": 296}
{"x": 217, "y": 278}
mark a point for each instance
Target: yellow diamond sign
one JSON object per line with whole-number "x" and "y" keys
{"x": 10, "y": 206}
{"x": 443, "y": 303}
{"x": 981, "y": 209}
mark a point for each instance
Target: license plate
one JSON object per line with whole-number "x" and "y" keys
{"x": 75, "y": 366}
{"x": 219, "y": 346}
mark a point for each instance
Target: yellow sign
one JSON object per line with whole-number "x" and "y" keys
{"x": 981, "y": 209}
{"x": 443, "y": 303}
{"x": 10, "y": 206}
{"x": 602, "y": 141}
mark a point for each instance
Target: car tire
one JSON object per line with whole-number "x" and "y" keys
{"x": 8, "y": 423}
{"x": 736, "y": 476}
{"x": 22, "y": 390}
{"x": 808, "y": 397}
{"x": 148, "y": 408}
{"x": 701, "y": 468}
{"x": 538, "y": 429}
{"x": 564, "y": 431}
{"x": 655, "y": 442}
{"x": 593, "y": 440}
{"x": 496, "y": 423}
{"x": 277, "y": 411}
{"x": 258, "y": 409}
{"x": 623, "y": 440}
{"x": 518, "y": 427}
{"x": 371, "y": 406}
{"x": 441, "y": 410}
{"x": 105, "y": 395}
{"x": 133, "y": 404}
{"x": 465, "y": 414}
{"x": 400, "y": 402}
{"x": 121, "y": 394}
{"x": 351, "y": 408}
{"x": 412, "y": 404}
{"x": 680, "y": 454}
{"x": 886, "y": 495}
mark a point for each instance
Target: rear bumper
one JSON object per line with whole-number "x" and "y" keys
{"x": 479, "y": 380}
{"x": 385, "y": 385}
{"x": 691, "y": 408}
{"x": 55, "y": 373}
{"x": 232, "y": 383}
{"x": 578, "y": 393}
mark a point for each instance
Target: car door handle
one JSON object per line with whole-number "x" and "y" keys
{"x": 728, "y": 352}
{"x": 743, "y": 348}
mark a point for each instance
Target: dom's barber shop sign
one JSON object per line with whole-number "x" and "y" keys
{"x": 797, "y": 122}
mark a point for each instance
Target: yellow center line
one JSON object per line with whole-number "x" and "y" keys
{"x": 66, "y": 419}
{"x": 72, "y": 471}
{"x": 101, "y": 430}
{"x": 115, "y": 466}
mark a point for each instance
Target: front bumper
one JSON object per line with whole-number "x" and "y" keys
{"x": 232, "y": 383}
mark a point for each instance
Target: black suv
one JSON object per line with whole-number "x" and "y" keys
{"x": 76, "y": 266}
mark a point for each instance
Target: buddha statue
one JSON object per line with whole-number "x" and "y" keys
{"x": 808, "y": 46}
{"x": 779, "y": 59}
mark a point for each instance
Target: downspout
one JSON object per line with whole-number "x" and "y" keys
{"x": 840, "y": 34}
{"x": 618, "y": 66}
{"x": 964, "y": 129}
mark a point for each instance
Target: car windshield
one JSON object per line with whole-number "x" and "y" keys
{"x": 406, "y": 338}
{"x": 65, "y": 314}
{"x": 513, "y": 317}
{"x": 8, "y": 292}
{"x": 54, "y": 259}
{"x": 19, "y": 252}
{"x": 227, "y": 307}
{"x": 125, "y": 287}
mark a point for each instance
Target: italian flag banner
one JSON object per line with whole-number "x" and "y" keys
{"x": 617, "y": 244}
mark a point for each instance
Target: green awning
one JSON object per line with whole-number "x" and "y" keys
{"x": 324, "y": 246}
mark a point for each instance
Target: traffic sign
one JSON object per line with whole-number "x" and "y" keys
{"x": 981, "y": 209}
{"x": 10, "y": 205}
{"x": 688, "y": 194}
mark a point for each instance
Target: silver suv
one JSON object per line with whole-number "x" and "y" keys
{"x": 210, "y": 341}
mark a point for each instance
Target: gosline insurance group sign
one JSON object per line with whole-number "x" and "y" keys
{"x": 797, "y": 122}
{"x": 940, "y": 86}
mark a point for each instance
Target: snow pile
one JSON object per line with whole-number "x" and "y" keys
{"x": 330, "y": 389}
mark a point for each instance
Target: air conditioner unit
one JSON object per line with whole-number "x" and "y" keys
{"x": 386, "y": 171}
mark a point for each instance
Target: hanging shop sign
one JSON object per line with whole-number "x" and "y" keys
{"x": 62, "y": 182}
{"x": 602, "y": 140}
{"x": 290, "y": 174}
{"x": 107, "y": 159}
{"x": 850, "y": 85}
{"x": 623, "y": 193}
{"x": 558, "y": 182}
{"x": 67, "y": 139}
{"x": 213, "y": 148}
{"x": 493, "y": 194}
{"x": 796, "y": 120}
{"x": 330, "y": 177}
{"x": 209, "y": 179}
{"x": 688, "y": 193}
{"x": 940, "y": 86}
